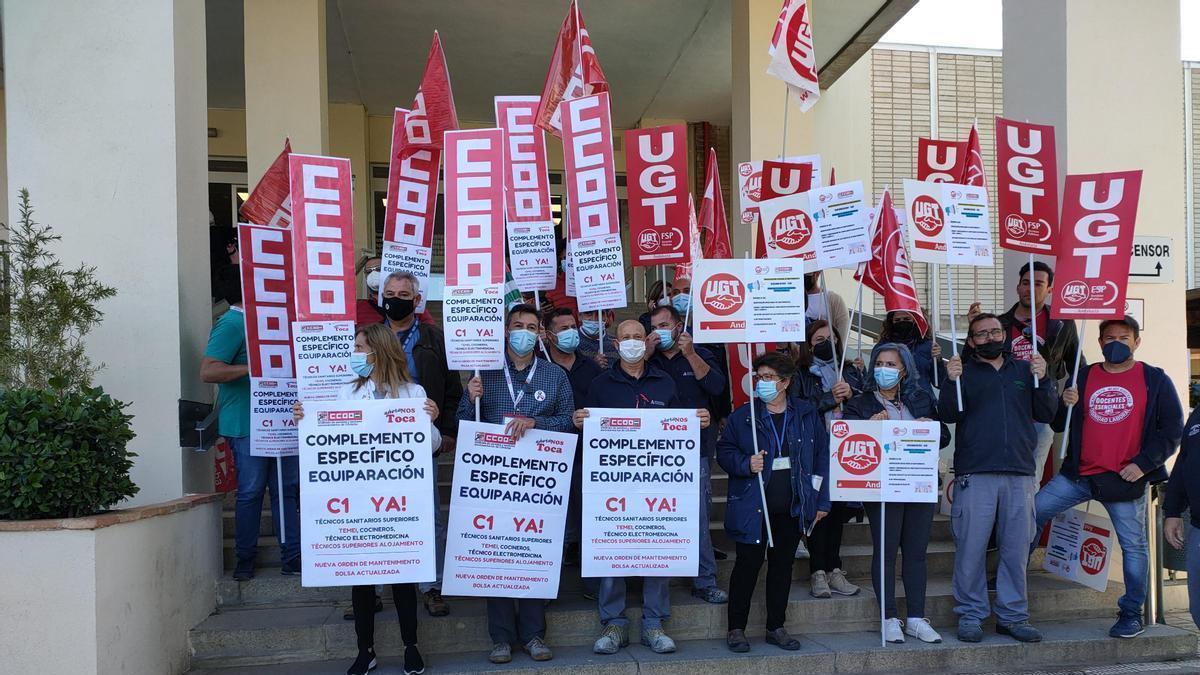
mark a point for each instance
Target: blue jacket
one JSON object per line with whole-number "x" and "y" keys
{"x": 1183, "y": 490}
{"x": 808, "y": 450}
{"x": 919, "y": 402}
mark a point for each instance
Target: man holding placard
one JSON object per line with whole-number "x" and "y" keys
{"x": 993, "y": 464}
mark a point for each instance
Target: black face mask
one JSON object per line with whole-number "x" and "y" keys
{"x": 823, "y": 351}
{"x": 904, "y": 331}
{"x": 810, "y": 282}
{"x": 398, "y": 309}
{"x": 989, "y": 350}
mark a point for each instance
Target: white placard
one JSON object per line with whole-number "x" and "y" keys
{"x": 366, "y": 493}
{"x": 508, "y": 509}
{"x": 867, "y": 455}
{"x": 1080, "y": 548}
{"x": 842, "y": 226}
{"x": 948, "y": 223}
{"x": 272, "y": 427}
{"x": 473, "y": 320}
{"x": 323, "y": 350}
{"x": 400, "y": 257}
{"x": 598, "y": 264}
{"x": 531, "y": 255}
{"x": 641, "y": 493}
{"x": 748, "y": 301}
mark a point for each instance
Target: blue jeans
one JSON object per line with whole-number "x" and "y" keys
{"x": 254, "y": 476}
{"x": 1128, "y": 519}
{"x": 707, "y": 577}
{"x": 1193, "y": 571}
{"x": 656, "y": 601}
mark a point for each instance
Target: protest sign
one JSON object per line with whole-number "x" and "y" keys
{"x": 940, "y": 161}
{"x": 948, "y": 223}
{"x": 825, "y": 227}
{"x": 1026, "y": 186}
{"x": 1095, "y": 244}
{"x": 657, "y": 181}
{"x": 366, "y": 493}
{"x": 401, "y": 257}
{"x": 745, "y": 300}
{"x": 526, "y": 179}
{"x": 270, "y": 202}
{"x": 508, "y": 509}
{"x": 532, "y": 256}
{"x": 272, "y": 427}
{"x": 591, "y": 174}
{"x": 1080, "y": 548}
{"x": 599, "y": 268}
{"x": 780, "y": 179}
{"x": 750, "y": 187}
{"x": 322, "y": 237}
{"x": 432, "y": 112}
{"x": 884, "y": 460}
{"x": 474, "y": 207}
{"x": 323, "y": 350}
{"x": 641, "y": 496}
{"x": 412, "y": 189}
{"x": 787, "y": 227}
{"x": 473, "y": 320}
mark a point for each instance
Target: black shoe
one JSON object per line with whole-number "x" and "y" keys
{"x": 737, "y": 642}
{"x": 780, "y": 638}
{"x": 244, "y": 571}
{"x": 413, "y": 663}
{"x": 365, "y": 663}
{"x": 349, "y": 615}
{"x": 1020, "y": 631}
{"x": 970, "y": 632}
{"x": 291, "y": 568}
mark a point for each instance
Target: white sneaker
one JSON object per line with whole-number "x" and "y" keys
{"x": 892, "y": 631}
{"x": 801, "y": 551}
{"x": 920, "y": 629}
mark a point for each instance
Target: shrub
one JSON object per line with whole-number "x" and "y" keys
{"x": 62, "y": 453}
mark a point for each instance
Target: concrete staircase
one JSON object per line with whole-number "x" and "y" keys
{"x": 271, "y": 624}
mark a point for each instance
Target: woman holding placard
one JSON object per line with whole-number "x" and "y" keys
{"x": 382, "y": 370}
{"x": 776, "y": 451}
{"x": 891, "y": 392}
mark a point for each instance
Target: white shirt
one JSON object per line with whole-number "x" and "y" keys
{"x": 407, "y": 390}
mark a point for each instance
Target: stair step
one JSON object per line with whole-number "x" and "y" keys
{"x": 266, "y": 635}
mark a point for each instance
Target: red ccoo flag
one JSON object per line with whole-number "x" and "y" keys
{"x": 887, "y": 272}
{"x": 574, "y": 71}
{"x": 432, "y": 112}
{"x": 972, "y": 173}
{"x": 270, "y": 203}
{"x": 712, "y": 213}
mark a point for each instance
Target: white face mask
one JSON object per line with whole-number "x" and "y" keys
{"x": 373, "y": 281}
{"x": 631, "y": 351}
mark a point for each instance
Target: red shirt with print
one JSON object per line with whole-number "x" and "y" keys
{"x": 1112, "y": 424}
{"x": 1021, "y": 348}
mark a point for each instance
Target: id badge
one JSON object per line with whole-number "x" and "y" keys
{"x": 781, "y": 463}
{"x": 507, "y": 419}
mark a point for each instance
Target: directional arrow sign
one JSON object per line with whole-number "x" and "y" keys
{"x": 1153, "y": 261}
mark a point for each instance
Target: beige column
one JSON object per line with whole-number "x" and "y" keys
{"x": 758, "y": 102}
{"x": 348, "y": 137}
{"x": 286, "y": 88}
{"x": 1109, "y": 80}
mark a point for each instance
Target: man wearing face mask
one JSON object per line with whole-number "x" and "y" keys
{"x": 425, "y": 349}
{"x": 697, "y": 380}
{"x": 1125, "y": 427}
{"x": 562, "y": 343}
{"x": 634, "y": 383}
{"x": 994, "y": 449}
{"x": 681, "y": 295}
{"x": 528, "y": 393}
{"x": 590, "y": 332}
{"x": 368, "y": 309}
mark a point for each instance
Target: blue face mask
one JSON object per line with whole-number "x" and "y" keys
{"x": 681, "y": 302}
{"x": 766, "y": 391}
{"x": 666, "y": 338}
{"x": 358, "y": 363}
{"x": 886, "y": 377}
{"x": 590, "y": 327}
{"x": 522, "y": 341}
{"x": 1116, "y": 352}
{"x": 568, "y": 340}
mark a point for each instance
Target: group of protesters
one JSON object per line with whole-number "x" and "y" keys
{"x": 1005, "y": 392}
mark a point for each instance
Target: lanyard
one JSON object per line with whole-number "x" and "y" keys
{"x": 779, "y": 437}
{"x": 516, "y": 397}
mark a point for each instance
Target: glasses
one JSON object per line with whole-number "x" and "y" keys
{"x": 981, "y": 335}
{"x": 769, "y": 377}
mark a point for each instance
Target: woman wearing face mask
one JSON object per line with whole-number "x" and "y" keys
{"x": 793, "y": 459}
{"x": 901, "y": 327}
{"x": 892, "y": 394}
{"x": 382, "y": 372}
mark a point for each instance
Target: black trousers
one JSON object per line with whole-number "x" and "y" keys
{"x": 780, "y": 558}
{"x": 908, "y": 527}
{"x": 363, "y": 600}
{"x": 825, "y": 541}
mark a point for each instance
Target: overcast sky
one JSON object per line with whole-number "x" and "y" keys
{"x": 940, "y": 22}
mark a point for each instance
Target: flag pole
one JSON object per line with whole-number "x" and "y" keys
{"x": 1066, "y": 434}
{"x": 1032, "y": 318}
{"x": 537, "y": 304}
{"x": 953, "y": 330}
{"x": 937, "y": 317}
{"x": 478, "y": 399}
{"x": 858, "y": 312}
{"x": 783, "y": 149}
{"x": 282, "y": 515}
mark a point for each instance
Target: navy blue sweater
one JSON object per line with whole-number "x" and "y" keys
{"x": 994, "y": 433}
{"x": 1183, "y": 490}
{"x": 614, "y": 388}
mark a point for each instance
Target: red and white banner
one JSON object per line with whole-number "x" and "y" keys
{"x": 1095, "y": 245}
{"x": 574, "y": 71}
{"x": 713, "y": 220}
{"x": 940, "y": 161}
{"x": 1027, "y": 186}
{"x": 860, "y": 470}
{"x": 270, "y": 203}
{"x": 750, "y": 183}
{"x": 474, "y": 207}
{"x": 432, "y": 112}
{"x": 746, "y": 300}
{"x": 779, "y": 179}
{"x": 526, "y": 179}
{"x": 412, "y": 189}
{"x": 323, "y": 237}
{"x": 972, "y": 173}
{"x": 1080, "y": 548}
{"x": 793, "y": 58}
{"x": 888, "y": 272}
{"x": 656, "y": 178}
{"x": 267, "y": 297}
{"x": 740, "y": 361}
{"x": 590, "y": 170}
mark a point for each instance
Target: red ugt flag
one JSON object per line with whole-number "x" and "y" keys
{"x": 972, "y": 173}
{"x": 887, "y": 272}
{"x": 432, "y": 112}
{"x": 793, "y": 58}
{"x": 270, "y": 203}
{"x": 574, "y": 71}
{"x": 712, "y": 212}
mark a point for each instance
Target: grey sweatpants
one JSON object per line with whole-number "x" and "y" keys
{"x": 981, "y": 501}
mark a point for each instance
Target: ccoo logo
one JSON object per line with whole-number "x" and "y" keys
{"x": 722, "y": 294}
